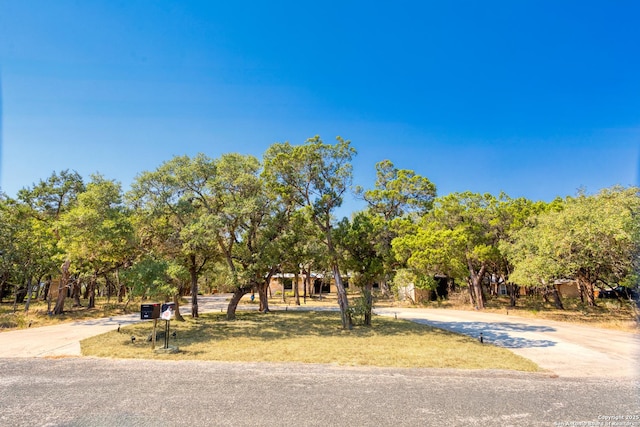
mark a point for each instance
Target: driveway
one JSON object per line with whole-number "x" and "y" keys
{"x": 565, "y": 350}
{"x": 568, "y": 350}
{"x": 64, "y": 339}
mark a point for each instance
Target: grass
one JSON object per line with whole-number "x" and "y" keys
{"x": 37, "y": 314}
{"x": 308, "y": 337}
{"x": 610, "y": 314}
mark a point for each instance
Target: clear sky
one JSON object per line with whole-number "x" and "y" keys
{"x": 534, "y": 98}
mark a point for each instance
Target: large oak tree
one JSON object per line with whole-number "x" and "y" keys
{"x": 315, "y": 176}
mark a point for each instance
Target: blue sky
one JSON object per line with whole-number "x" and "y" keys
{"x": 534, "y": 98}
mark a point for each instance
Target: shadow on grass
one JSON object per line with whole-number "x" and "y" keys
{"x": 499, "y": 333}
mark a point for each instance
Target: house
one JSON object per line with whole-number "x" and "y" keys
{"x": 567, "y": 288}
{"x": 417, "y": 295}
{"x": 319, "y": 283}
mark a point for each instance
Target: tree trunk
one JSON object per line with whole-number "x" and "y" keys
{"x": 305, "y": 284}
{"x": 263, "y": 297}
{"x": 556, "y": 298}
{"x": 85, "y": 294}
{"x": 582, "y": 291}
{"x": 589, "y": 290}
{"x": 122, "y": 290}
{"x": 451, "y": 285}
{"x": 92, "y": 290}
{"x": 38, "y": 287}
{"x": 296, "y": 290}
{"x": 384, "y": 287}
{"x": 476, "y": 281}
{"x": 233, "y": 304}
{"x": 29, "y": 286}
{"x": 49, "y": 300}
{"x": 368, "y": 296}
{"x": 76, "y": 290}
{"x": 109, "y": 286}
{"x": 176, "y": 301}
{"x": 62, "y": 288}
{"x": 545, "y": 294}
{"x": 477, "y": 288}
{"x": 512, "y": 290}
{"x": 472, "y": 295}
{"x": 16, "y": 292}
{"x": 194, "y": 287}
{"x": 343, "y": 302}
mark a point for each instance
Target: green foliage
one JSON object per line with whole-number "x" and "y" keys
{"x": 457, "y": 238}
{"x": 50, "y": 198}
{"x": 29, "y": 229}
{"x": 232, "y": 221}
{"x": 357, "y": 239}
{"x": 151, "y": 277}
{"x": 314, "y": 176}
{"x": 427, "y": 283}
{"x": 398, "y": 192}
{"x": 594, "y": 238}
{"x": 171, "y": 215}
{"x": 96, "y": 234}
{"x": 360, "y": 308}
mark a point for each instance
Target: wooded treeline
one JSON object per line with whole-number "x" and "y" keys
{"x": 235, "y": 221}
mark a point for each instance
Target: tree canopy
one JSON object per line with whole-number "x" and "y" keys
{"x": 593, "y": 239}
{"x": 238, "y": 220}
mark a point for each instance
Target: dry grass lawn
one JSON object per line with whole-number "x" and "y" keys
{"x": 37, "y": 314}
{"x": 308, "y": 337}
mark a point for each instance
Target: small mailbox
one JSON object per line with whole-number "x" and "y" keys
{"x": 150, "y": 311}
{"x": 167, "y": 310}
{"x": 168, "y": 306}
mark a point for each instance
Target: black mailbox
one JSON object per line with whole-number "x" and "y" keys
{"x": 150, "y": 311}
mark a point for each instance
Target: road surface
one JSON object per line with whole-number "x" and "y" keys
{"x": 102, "y": 392}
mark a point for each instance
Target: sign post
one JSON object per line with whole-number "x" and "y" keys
{"x": 151, "y": 311}
{"x": 153, "y": 336}
{"x": 167, "y": 312}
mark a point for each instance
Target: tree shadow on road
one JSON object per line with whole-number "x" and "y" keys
{"x": 496, "y": 333}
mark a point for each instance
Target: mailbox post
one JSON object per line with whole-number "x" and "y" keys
{"x": 167, "y": 311}
{"x": 151, "y": 311}
{"x": 155, "y": 311}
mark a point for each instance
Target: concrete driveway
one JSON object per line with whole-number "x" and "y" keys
{"x": 64, "y": 339}
{"x": 566, "y": 350}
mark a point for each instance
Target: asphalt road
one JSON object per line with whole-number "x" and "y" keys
{"x": 95, "y": 392}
